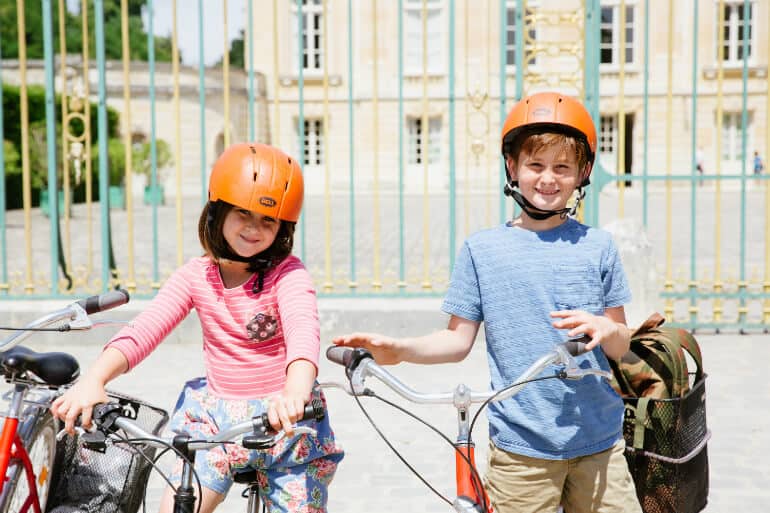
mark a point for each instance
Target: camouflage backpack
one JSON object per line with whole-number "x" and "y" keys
{"x": 654, "y": 368}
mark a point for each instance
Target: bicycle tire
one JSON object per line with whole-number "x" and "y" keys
{"x": 41, "y": 447}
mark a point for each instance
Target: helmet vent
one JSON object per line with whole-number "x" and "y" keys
{"x": 286, "y": 188}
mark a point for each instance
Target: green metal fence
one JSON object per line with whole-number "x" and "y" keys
{"x": 394, "y": 108}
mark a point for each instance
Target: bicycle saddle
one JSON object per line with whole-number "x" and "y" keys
{"x": 245, "y": 476}
{"x": 53, "y": 368}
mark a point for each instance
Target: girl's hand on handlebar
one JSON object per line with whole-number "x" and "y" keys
{"x": 285, "y": 410}
{"x": 385, "y": 350}
{"x": 288, "y": 407}
{"x": 79, "y": 401}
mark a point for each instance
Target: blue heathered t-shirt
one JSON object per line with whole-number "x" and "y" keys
{"x": 511, "y": 279}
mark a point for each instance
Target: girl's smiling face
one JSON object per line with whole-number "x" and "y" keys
{"x": 249, "y": 233}
{"x": 547, "y": 177}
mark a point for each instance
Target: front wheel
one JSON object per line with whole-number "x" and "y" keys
{"x": 41, "y": 448}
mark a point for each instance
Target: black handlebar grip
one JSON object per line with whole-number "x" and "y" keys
{"x": 340, "y": 355}
{"x": 577, "y": 346}
{"x": 106, "y": 301}
{"x": 313, "y": 410}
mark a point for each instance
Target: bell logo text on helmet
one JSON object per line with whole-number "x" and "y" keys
{"x": 267, "y": 201}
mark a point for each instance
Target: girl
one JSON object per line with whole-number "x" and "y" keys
{"x": 258, "y": 314}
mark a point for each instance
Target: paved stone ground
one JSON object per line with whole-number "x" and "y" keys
{"x": 372, "y": 479}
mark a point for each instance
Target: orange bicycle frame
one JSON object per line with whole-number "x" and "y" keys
{"x": 468, "y": 484}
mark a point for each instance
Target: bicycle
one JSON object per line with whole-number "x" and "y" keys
{"x": 114, "y": 425}
{"x": 28, "y": 440}
{"x": 470, "y": 495}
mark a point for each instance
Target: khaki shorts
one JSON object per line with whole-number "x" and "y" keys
{"x": 598, "y": 483}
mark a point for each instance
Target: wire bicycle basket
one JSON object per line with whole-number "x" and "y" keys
{"x": 114, "y": 481}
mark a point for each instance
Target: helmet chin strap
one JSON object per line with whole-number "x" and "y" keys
{"x": 538, "y": 213}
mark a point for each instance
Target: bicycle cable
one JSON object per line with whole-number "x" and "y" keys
{"x": 471, "y": 465}
{"x": 65, "y": 327}
{"x": 390, "y": 445}
{"x": 483, "y": 405}
{"x": 154, "y": 462}
{"x": 476, "y": 477}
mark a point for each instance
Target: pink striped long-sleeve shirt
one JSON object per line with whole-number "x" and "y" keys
{"x": 248, "y": 339}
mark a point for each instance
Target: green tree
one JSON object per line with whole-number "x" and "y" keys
{"x": 237, "y": 51}
{"x": 141, "y": 163}
{"x": 112, "y": 31}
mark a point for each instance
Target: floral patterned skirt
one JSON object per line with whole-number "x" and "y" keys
{"x": 293, "y": 475}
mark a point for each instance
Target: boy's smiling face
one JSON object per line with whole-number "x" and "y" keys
{"x": 547, "y": 177}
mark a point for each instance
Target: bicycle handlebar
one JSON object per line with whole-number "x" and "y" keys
{"x": 359, "y": 364}
{"x": 77, "y": 313}
{"x": 102, "y": 302}
{"x": 110, "y": 418}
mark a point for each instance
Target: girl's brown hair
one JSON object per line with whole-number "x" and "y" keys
{"x": 214, "y": 244}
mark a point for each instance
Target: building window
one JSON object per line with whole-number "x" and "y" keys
{"x": 421, "y": 147}
{"x": 510, "y": 36}
{"x": 610, "y": 34}
{"x": 413, "y": 35}
{"x": 608, "y": 134}
{"x": 608, "y": 142}
{"x": 732, "y": 136}
{"x": 735, "y": 15}
{"x": 312, "y": 152}
{"x": 312, "y": 34}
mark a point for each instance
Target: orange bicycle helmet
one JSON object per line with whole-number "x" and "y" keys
{"x": 552, "y": 112}
{"x": 259, "y": 178}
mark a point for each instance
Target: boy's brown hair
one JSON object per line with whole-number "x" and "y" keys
{"x": 532, "y": 141}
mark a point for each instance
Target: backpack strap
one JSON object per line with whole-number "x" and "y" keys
{"x": 651, "y": 323}
{"x": 640, "y": 421}
{"x": 619, "y": 378}
{"x": 689, "y": 344}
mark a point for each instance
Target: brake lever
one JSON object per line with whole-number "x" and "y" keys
{"x": 265, "y": 441}
{"x": 573, "y": 371}
{"x": 81, "y": 320}
{"x": 579, "y": 373}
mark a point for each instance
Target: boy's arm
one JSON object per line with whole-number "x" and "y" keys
{"x": 448, "y": 345}
{"x": 609, "y": 330}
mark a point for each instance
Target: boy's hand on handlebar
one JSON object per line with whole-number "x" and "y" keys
{"x": 79, "y": 401}
{"x": 613, "y": 336}
{"x": 385, "y": 350}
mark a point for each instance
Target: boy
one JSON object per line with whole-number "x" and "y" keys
{"x": 530, "y": 279}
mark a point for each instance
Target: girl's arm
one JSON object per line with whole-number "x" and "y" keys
{"x": 287, "y": 408}
{"x": 301, "y": 331}
{"x": 89, "y": 390}
{"x": 448, "y": 345}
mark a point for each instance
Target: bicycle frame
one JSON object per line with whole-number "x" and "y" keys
{"x": 13, "y": 449}
{"x": 108, "y": 419}
{"x": 471, "y": 496}
{"x": 20, "y": 421}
